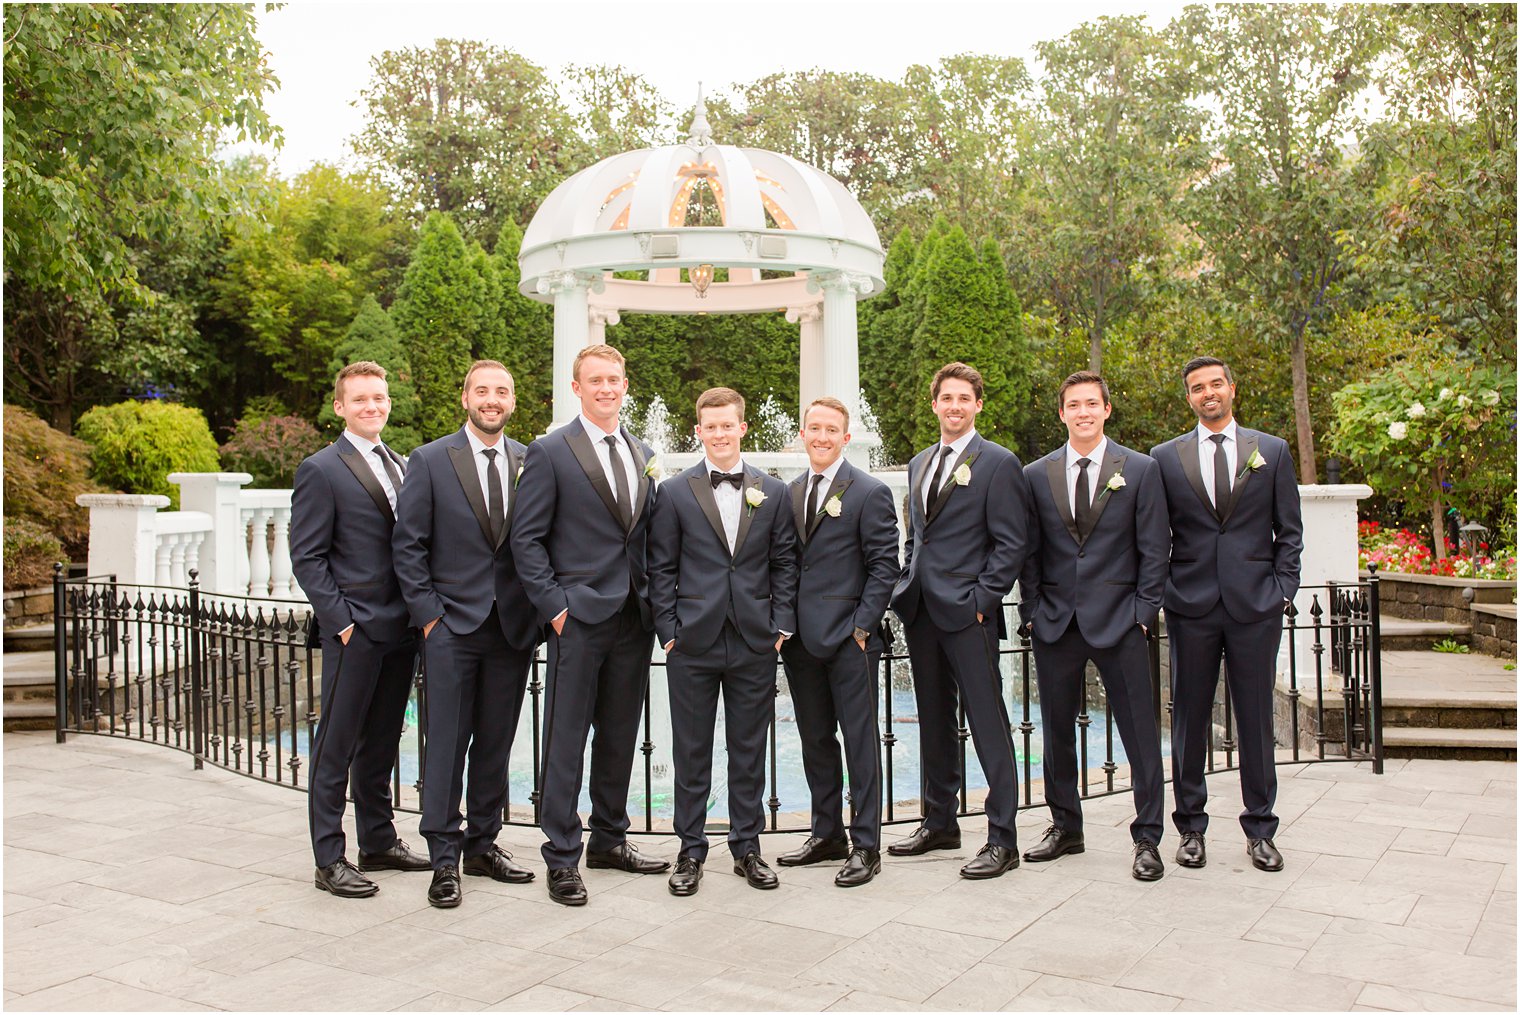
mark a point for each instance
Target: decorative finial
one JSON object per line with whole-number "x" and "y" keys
{"x": 701, "y": 130}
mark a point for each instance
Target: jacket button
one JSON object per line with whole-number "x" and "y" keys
{"x": 1081, "y": 553}
{"x": 804, "y": 567}
{"x": 1221, "y": 530}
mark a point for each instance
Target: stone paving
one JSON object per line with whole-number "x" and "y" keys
{"x": 133, "y": 882}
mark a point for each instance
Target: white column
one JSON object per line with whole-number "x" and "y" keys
{"x": 810, "y": 357}
{"x": 123, "y": 534}
{"x": 841, "y": 352}
{"x": 598, "y": 318}
{"x": 280, "y": 573}
{"x": 258, "y": 553}
{"x": 226, "y": 547}
{"x": 572, "y": 329}
{"x": 1330, "y": 555}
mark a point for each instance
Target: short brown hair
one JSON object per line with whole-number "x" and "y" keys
{"x": 485, "y": 364}
{"x": 363, "y": 368}
{"x": 717, "y": 398}
{"x": 1081, "y": 377}
{"x": 961, "y": 372}
{"x": 1199, "y": 362}
{"x": 603, "y": 351}
{"x": 828, "y": 403}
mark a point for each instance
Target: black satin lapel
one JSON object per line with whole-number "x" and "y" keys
{"x": 1109, "y": 469}
{"x": 950, "y": 483}
{"x": 366, "y": 476}
{"x": 585, "y": 454}
{"x": 1055, "y": 472}
{"x": 514, "y": 469}
{"x": 640, "y": 464}
{"x": 701, "y": 487}
{"x": 836, "y": 489}
{"x": 799, "y": 488}
{"x": 1248, "y": 445}
{"x": 746, "y": 513}
{"x": 469, "y": 481}
{"x": 1187, "y": 456}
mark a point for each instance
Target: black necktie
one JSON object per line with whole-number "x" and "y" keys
{"x": 719, "y": 478}
{"x": 812, "y": 501}
{"x": 493, "y": 497}
{"x": 1084, "y": 499}
{"x": 939, "y": 467}
{"x": 390, "y": 467}
{"x": 1221, "y": 475}
{"x": 619, "y": 481}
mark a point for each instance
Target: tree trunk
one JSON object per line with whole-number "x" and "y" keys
{"x": 1438, "y": 526}
{"x": 1307, "y": 473}
{"x": 1095, "y": 349}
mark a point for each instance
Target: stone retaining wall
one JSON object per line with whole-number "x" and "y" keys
{"x": 1494, "y": 630}
{"x": 29, "y": 607}
{"x": 1429, "y": 597}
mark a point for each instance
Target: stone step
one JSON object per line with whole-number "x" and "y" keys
{"x": 28, "y": 715}
{"x": 1399, "y": 634}
{"x": 35, "y": 638}
{"x": 1453, "y": 744}
{"x": 28, "y": 669}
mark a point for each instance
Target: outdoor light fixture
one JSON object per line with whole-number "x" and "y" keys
{"x": 701, "y": 278}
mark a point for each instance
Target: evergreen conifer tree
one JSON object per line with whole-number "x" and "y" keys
{"x": 438, "y": 314}
{"x": 372, "y": 336}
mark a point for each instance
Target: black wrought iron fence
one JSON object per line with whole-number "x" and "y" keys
{"x": 231, "y": 681}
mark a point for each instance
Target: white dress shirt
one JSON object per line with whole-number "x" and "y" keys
{"x": 367, "y": 452}
{"x": 1095, "y": 459}
{"x": 1206, "y": 457}
{"x": 828, "y": 475}
{"x": 625, "y": 455}
{"x": 729, "y": 501}
{"x": 957, "y": 448}
{"x": 482, "y": 463}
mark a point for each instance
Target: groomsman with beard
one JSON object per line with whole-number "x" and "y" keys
{"x": 579, "y": 537}
{"x": 1237, "y": 535}
{"x": 847, "y": 530}
{"x": 1091, "y": 592}
{"x": 968, "y": 535}
{"x": 456, "y": 571}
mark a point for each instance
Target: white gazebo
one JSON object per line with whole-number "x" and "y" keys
{"x": 645, "y": 211}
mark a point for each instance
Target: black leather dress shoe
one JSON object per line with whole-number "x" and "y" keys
{"x": 687, "y": 877}
{"x": 861, "y": 867}
{"x": 1190, "y": 851}
{"x": 445, "y": 892}
{"x": 922, "y": 840}
{"x": 399, "y": 857}
{"x": 343, "y": 879}
{"x": 991, "y": 862}
{"x": 756, "y": 871}
{"x": 1057, "y": 843}
{"x": 1264, "y": 855}
{"x": 625, "y": 857}
{"x": 1147, "y": 866}
{"x": 496, "y": 863}
{"x": 566, "y": 886}
{"x": 815, "y": 850}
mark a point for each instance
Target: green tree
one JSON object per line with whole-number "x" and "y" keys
{"x": 526, "y": 342}
{"x": 617, "y": 110}
{"x": 887, "y": 323}
{"x": 135, "y": 445}
{"x": 372, "y": 336}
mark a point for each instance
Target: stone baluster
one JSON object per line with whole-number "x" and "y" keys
{"x": 258, "y": 553}
{"x": 283, "y": 580}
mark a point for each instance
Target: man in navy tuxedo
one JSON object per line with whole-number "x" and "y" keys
{"x": 968, "y": 535}
{"x": 723, "y": 584}
{"x": 847, "y": 531}
{"x": 1237, "y": 535}
{"x": 579, "y": 536}
{"x": 341, "y": 514}
{"x": 455, "y": 567}
{"x": 1091, "y": 591}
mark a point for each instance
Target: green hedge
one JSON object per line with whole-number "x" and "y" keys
{"x": 30, "y": 553}
{"x": 137, "y": 444}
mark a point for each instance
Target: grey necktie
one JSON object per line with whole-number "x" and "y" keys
{"x": 493, "y": 497}
{"x": 391, "y": 473}
{"x": 1221, "y": 475}
{"x": 1084, "y": 514}
{"x": 812, "y": 502}
{"x": 939, "y": 467}
{"x": 619, "y": 481}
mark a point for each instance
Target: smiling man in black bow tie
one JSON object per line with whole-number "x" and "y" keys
{"x": 1237, "y": 534}
{"x": 723, "y": 584}
{"x": 847, "y": 528}
{"x": 1091, "y": 592}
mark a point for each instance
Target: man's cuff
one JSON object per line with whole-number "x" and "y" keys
{"x": 561, "y": 615}
{"x": 861, "y": 634}
{"x": 346, "y": 630}
{"x": 785, "y": 634}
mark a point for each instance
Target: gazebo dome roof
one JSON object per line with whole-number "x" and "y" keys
{"x": 645, "y": 209}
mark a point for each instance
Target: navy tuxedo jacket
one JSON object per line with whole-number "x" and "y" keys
{"x": 963, "y": 555}
{"x": 694, "y": 582}
{"x": 340, "y": 544}
{"x": 848, "y": 563}
{"x": 1248, "y": 554}
{"x": 445, "y": 560}
{"x": 1113, "y": 578}
{"x": 568, "y": 538}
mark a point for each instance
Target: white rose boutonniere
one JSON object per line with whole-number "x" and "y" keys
{"x": 1115, "y": 482}
{"x": 754, "y": 497}
{"x": 651, "y": 468}
{"x": 963, "y": 474}
{"x": 1255, "y": 461}
{"x": 832, "y": 507}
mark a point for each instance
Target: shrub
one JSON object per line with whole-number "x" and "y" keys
{"x": 270, "y": 448}
{"x": 45, "y": 470}
{"x": 1407, "y": 553}
{"x": 30, "y": 553}
{"x": 136, "y": 445}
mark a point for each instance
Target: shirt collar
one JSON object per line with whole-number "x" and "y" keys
{"x": 362, "y": 443}
{"x": 958, "y": 446}
{"x": 477, "y": 445}
{"x": 1096, "y": 454}
{"x": 1204, "y": 433}
{"x": 595, "y": 432}
{"x": 828, "y": 473}
{"x": 709, "y": 467}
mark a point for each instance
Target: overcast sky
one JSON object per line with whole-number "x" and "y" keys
{"x": 320, "y": 51}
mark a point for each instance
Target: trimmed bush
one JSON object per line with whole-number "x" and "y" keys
{"x": 270, "y": 448}
{"x": 30, "y": 553}
{"x": 136, "y": 445}
{"x": 45, "y": 469}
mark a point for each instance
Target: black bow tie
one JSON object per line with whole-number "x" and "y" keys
{"x": 719, "y": 478}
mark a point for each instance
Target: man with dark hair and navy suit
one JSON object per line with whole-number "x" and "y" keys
{"x": 723, "y": 584}
{"x": 579, "y": 536}
{"x": 1237, "y": 534}
{"x": 968, "y": 535}
{"x": 341, "y": 514}
{"x": 847, "y": 531}
{"x": 1091, "y": 591}
{"x": 479, "y": 630}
